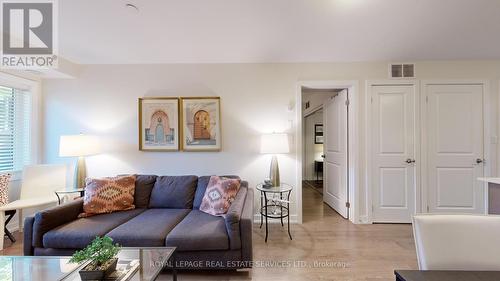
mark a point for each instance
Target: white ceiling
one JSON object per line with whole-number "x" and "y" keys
{"x": 229, "y": 31}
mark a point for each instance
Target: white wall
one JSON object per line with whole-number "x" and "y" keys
{"x": 255, "y": 99}
{"x": 312, "y": 151}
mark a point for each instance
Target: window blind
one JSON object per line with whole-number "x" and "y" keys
{"x": 15, "y": 128}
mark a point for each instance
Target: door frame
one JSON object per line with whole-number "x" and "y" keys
{"x": 490, "y": 162}
{"x": 353, "y": 142}
{"x": 368, "y": 142}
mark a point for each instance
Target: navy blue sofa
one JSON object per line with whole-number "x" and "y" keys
{"x": 166, "y": 214}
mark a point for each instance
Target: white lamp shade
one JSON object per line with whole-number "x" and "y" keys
{"x": 78, "y": 145}
{"x": 274, "y": 144}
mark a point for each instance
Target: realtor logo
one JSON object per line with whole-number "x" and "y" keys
{"x": 29, "y": 37}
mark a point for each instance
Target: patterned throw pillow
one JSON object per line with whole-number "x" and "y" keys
{"x": 4, "y": 188}
{"x": 219, "y": 195}
{"x": 107, "y": 195}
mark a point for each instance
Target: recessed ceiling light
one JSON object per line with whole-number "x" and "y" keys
{"x": 131, "y": 6}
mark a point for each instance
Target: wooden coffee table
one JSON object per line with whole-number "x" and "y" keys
{"x": 152, "y": 260}
{"x": 446, "y": 275}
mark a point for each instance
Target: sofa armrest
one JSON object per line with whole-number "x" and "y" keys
{"x": 28, "y": 249}
{"x": 246, "y": 228}
{"x": 233, "y": 216}
{"x": 53, "y": 217}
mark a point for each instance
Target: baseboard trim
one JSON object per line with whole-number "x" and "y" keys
{"x": 364, "y": 220}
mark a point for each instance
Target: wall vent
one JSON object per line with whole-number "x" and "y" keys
{"x": 402, "y": 70}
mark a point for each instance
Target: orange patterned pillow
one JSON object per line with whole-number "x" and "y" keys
{"x": 219, "y": 195}
{"x": 107, "y": 195}
{"x": 4, "y": 189}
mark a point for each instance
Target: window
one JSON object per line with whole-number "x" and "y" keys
{"x": 15, "y": 128}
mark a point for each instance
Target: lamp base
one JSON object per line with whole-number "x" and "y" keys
{"x": 80, "y": 173}
{"x": 274, "y": 172}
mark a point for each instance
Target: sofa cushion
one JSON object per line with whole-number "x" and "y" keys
{"x": 175, "y": 192}
{"x": 148, "y": 229}
{"x": 143, "y": 187}
{"x": 79, "y": 233}
{"x": 200, "y": 191}
{"x": 219, "y": 195}
{"x": 108, "y": 195}
{"x": 199, "y": 231}
{"x": 202, "y": 187}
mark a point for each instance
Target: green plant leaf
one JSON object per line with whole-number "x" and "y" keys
{"x": 99, "y": 251}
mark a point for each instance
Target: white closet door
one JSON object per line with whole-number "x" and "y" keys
{"x": 335, "y": 151}
{"x": 454, "y": 121}
{"x": 393, "y": 153}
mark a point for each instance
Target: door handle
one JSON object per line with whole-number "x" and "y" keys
{"x": 479, "y": 161}
{"x": 322, "y": 156}
{"x": 410, "y": 161}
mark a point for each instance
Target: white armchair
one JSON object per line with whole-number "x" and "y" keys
{"x": 37, "y": 189}
{"x": 457, "y": 242}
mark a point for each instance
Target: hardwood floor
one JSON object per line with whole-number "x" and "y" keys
{"x": 13, "y": 249}
{"x": 324, "y": 247}
{"x": 315, "y": 185}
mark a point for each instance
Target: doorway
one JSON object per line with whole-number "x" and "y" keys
{"x": 313, "y": 150}
{"x": 325, "y": 145}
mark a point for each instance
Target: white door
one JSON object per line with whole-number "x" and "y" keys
{"x": 454, "y": 122}
{"x": 393, "y": 153}
{"x": 335, "y": 151}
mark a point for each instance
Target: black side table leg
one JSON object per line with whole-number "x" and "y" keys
{"x": 281, "y": 207}
{"x": 58, "y": 199}
{"x": 260, "y": 211}
{"x": 288, "y": 220}
{"x": 290, "y": 235}
{"x": 265, "y": 210}
{"x": 10, "y": 215}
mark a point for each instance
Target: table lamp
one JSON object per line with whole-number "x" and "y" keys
{"x": 79, "y": 146}
{"x": 274, "y": 144}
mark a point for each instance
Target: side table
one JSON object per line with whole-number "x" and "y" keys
{"x": 68, "y": 191}
{"x": 273, "y": 204}
{"x": 318, "y": 168}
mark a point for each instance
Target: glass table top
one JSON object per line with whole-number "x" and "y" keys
{"x": 284, "y": 187}
{"x": 150, "y": 262}
{"x": 35, "y": 268}
{"x": 70, "y": 190}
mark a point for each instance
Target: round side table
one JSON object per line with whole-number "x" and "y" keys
{"x": 61, "y": 192}
{"x": 273, "y": 204}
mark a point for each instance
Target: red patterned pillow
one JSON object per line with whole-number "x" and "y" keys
{"x": 107, "y": 195}
{"x": 4, "y": 188}
{"x": 219, "y": 195}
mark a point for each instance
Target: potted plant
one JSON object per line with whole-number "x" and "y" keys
{"x": 101, "y": 255}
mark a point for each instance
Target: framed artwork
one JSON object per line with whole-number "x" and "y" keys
{"x": 159, "y": 124}
{"x": 318, "y": 133}
{"x": 201, "y": 128}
